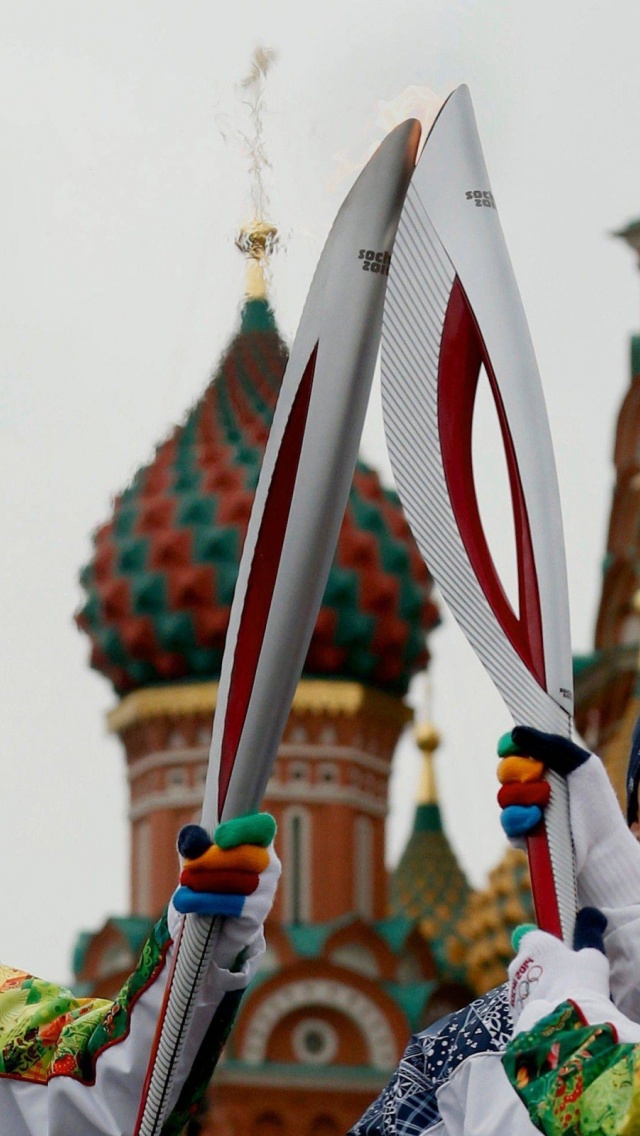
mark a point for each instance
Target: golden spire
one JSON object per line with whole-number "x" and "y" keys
{"x": 427, "y": 739}
{"x": 257, "y": 240}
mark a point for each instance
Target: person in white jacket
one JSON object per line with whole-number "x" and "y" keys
{"x": 451, "y": 1080}
{"x": 575, "y": 1058}
{"x": 76, "y": 1066}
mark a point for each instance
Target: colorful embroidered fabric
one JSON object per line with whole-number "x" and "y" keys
{"x": 575, "y": 1079}
{"x": 45, "y": 1031}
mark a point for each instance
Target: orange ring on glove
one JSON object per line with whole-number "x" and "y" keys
{"x": 519, "y": 769}
{"x": 244, "y": 858}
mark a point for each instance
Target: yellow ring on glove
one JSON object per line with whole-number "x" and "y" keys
{"x": 244, "y": 858}
{"x": 520, "y": 769}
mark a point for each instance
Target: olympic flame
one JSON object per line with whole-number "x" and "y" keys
{"x": 414, "y": 102}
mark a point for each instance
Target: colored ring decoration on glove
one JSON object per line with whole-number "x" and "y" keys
{"x": 527, "y": 793}
{"x": 520, "y": 769}
{"x": 257, "y": 828}
{"x": 518, "y": 820}
{"x": 519, "y": 933}
{"x": 189, "y": 902}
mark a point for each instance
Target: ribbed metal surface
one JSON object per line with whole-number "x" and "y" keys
{"x": 197, "y": 944}
{"x": 420, "y": 285}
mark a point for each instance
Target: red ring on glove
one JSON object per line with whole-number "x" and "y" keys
{"x": 524, "y": 793}
{"x": 223, "y": 881}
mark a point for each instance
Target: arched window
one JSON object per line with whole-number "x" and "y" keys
{"x": 142, "y": 885}
{"x": 297, "y": 734}
{"x": 327, "y": 773}
{"x": 363, "y": 867}
{"x": 268, "y": 1124}
{"x": 297, "y": 878}
{"x": 176, "y": 778}
{"x": 328, "y": 735}
{"x": 326, "y": 1126}
{"x": 628, "y": 630}
{"x": 299, "y": 771}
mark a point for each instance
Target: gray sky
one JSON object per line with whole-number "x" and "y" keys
{"x": 122, "y": 189}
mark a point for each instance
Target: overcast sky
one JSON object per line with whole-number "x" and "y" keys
{"x": 123, "y": 185}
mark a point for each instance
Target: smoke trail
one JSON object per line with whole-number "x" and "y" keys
{"x": 253, "y": 86}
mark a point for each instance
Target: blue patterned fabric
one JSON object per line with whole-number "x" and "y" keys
{"x": 407, "y": 1106}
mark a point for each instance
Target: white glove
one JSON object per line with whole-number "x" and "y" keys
{"x": 546, "y": 973}
{"x": 246, "y": 930}
{"x": 234, "y": 876}
{"x": 607, "y": 855}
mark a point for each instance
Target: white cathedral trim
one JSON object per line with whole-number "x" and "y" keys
{"x": 360, "y": 1009}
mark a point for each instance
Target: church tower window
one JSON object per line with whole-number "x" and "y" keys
{"x": 297, "y": 840}
{"x": 363, "y": 860}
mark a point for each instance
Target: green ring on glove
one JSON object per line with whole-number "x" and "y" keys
{"x": 519, "y": 934}
{"x": 256, "y": 828}
{"x": 507, "y": 747}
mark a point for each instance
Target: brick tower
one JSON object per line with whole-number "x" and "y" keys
{"x": 607, "y": 685}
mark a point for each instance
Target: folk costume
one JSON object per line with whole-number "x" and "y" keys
{"x": 575, "y": 1058}
{"x": 76, "y": 1066}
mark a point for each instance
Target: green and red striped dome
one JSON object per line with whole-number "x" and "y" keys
{"x": 160, "y": 583}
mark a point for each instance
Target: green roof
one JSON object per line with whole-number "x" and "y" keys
{"x": 308, "y": 939}
{"x": 582, "y": 663}
{"x": 427, "y": 819}
{"x": 412, "y": 998}
{"x": 395, "y": 931}
{"x": 80, "y": 948}
{"x": 134, "y": 929}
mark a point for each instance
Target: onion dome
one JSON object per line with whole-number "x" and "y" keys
{"x": 160, "y": 583}
{"x": 429, "y": 885}
{"x": 491, "y": 917}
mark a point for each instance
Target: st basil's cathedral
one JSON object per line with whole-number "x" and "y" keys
{"x": 357, "y": 959}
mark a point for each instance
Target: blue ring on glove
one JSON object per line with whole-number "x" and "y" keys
{"x": 190, "y": 902}
{"x": 517, "y": 820}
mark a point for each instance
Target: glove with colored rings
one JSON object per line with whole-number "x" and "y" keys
{"x": 232, "y": 874}
{"x": 545, "y": 974}
{"x": 525, "y": 756}
{"x": 607, "y": 856}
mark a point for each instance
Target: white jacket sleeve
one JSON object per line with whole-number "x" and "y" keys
{"x": 479, "y": 1101}
{"x": 90, "y": 1080}
{"x": 622, "y": 944}
{"x": 574, "y": 1053}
